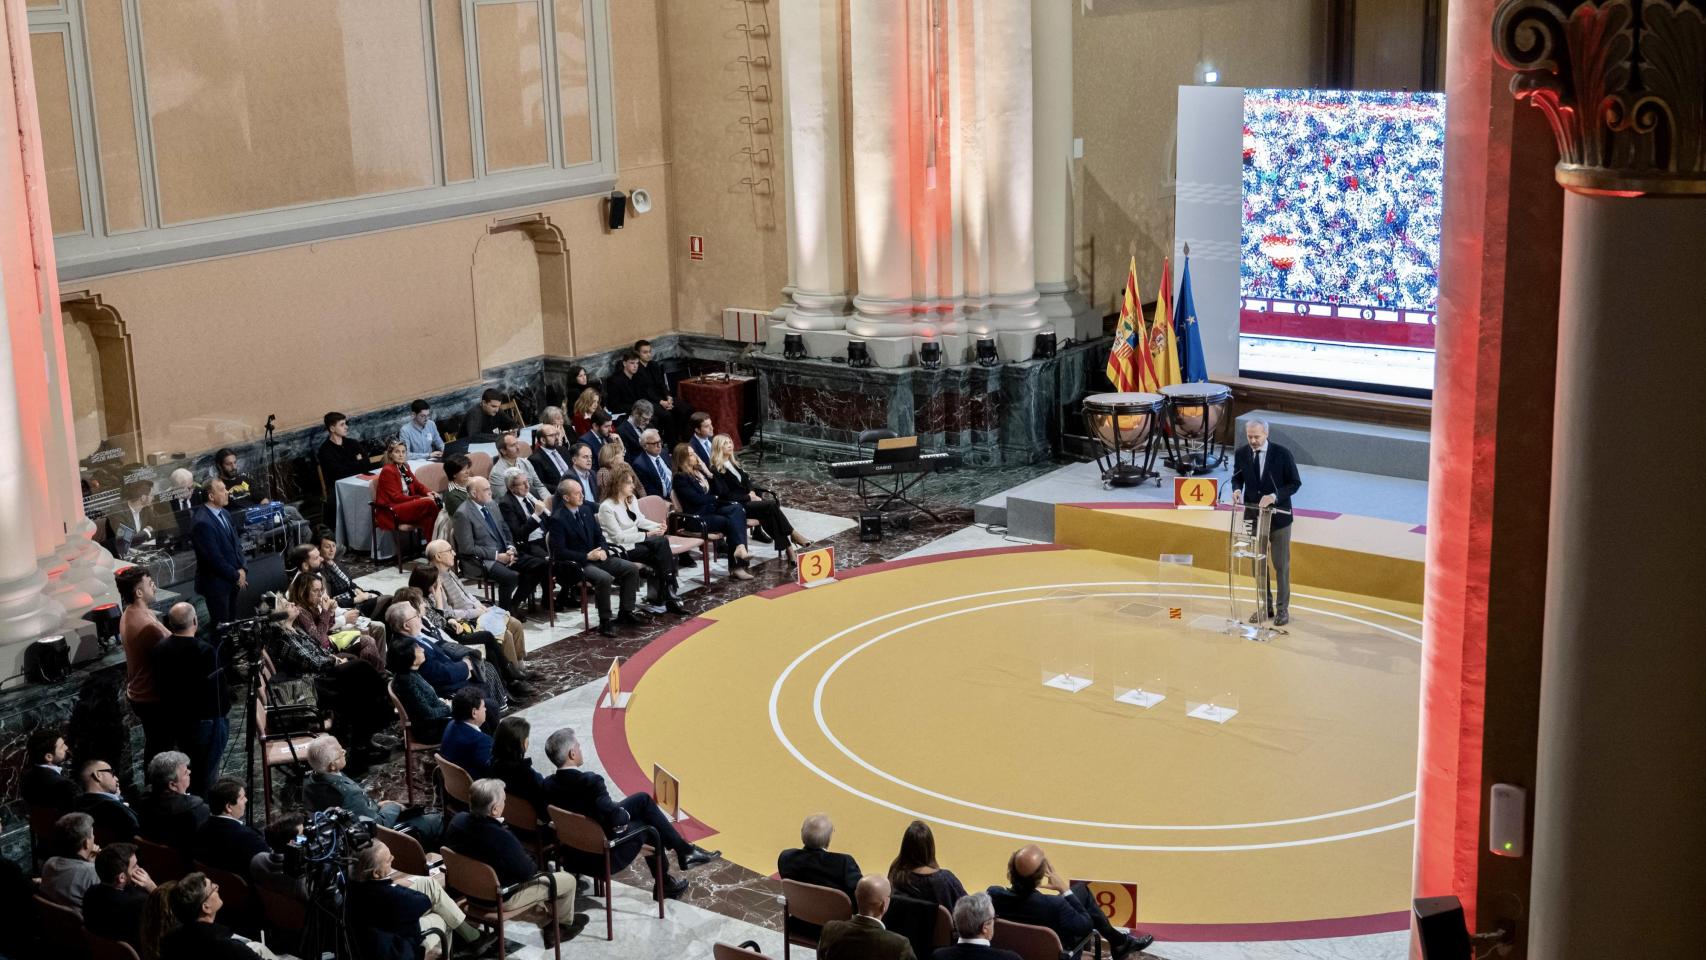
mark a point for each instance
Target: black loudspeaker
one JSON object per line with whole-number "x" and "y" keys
{"x": 616, "y": 210}
{"x": 1440, "y": 929}
{"x": 870, "y": 527}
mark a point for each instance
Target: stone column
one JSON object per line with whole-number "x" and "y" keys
{"x": 882, "y": 171}
{"x": 811, "y": 80}
{"x": 1063, "y": 308}
{"x": 1621, "y": 765}
{"x": 26, "y": 611}
{"x": 1004, "y": 120}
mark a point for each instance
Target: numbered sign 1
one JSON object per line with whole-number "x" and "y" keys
{"x": 666, "y": 790}
{"x": 1117, "y": 899}
{"x": 1198, "y": 493}
{"x": 817, "y": 567}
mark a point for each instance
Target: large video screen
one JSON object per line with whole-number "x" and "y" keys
{"x": 1339, "y": 274}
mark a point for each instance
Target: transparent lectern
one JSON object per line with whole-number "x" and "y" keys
{"x": 1247, "y": 572}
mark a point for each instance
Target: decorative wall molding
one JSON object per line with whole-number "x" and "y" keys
{"x": 1623, "y": 83}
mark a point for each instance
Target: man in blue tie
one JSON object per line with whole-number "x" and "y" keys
{"x": 577, "y": 539}
{"x": 220, "y": 574}
{"x": 652, "y": 467}
{"x": 700, "y": 440}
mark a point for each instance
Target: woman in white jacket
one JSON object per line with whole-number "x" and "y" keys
{"x": 634, "y": 537}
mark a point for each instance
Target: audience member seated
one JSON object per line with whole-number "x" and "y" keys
{"x": 135, "y": 520}
{"x": 350, "y": 688}
{"x": 397, "y": 488}
{"x": 732, "y": 484}
{"x": 552, "y": 416}
{"x": 139, "y": 631}
{"x": 1071, "y": 915}
{"x": 464, "y": 743}
{"x": 195, "y": 902}
{"x": 623, "y": 388}
{"x": 813, "y": 862}
{"x": 44, "y": 783}
{"x": 577, "y": 540}
{"x": 448, "y": 666}
{"x": 588, "y": 404}
{"x": 524, "y": 515}
{"x": 581, "y": 467}
{"x": 610, "y": 456}
{"x": 635, "y": 538}
{"x": 328, "y": 786}
{"x": 456, "y": 476}
{"x": 584, "y": 792}
{"x": 268, "y": 870}
{"x": 190, "y": 677}
{"x": 974, "y": 924}
{"x": 170, "y": 815}
{"x": 511, "y": 764}
{"x": 509, "y": 458}
{"x": 102, "y": 801}
{"x": 112, "y": 908}
{"x": 550, "y": 458}
{"x": 319, "y": 616}
{"x": 420, "y": 433}
{"x": 914, "y": 872}
{"x": 671, "y": 413}
{"x": 70, "y": 872}
{"x": 864, "y": 937}
{"x": 698, "y": 501}
{"x": 225, "y": 841}
{"x": 483, "y": 542}
{"x": 390, "y": 912}
{"x": 652, "y": 466}
{"x": 339, "y": 456}
{"x": 450, "y": 600}
{"x": 699, "y": 435}
{"x": 486, "y": 419}
{"x": 601, "y": 431}
{"x": 340, "y": 584}
{"x": 480, "y": 833}
{"x": 638, "y": 420}
{"x": 428, "y": 712}
{"x": 220, "y": 570}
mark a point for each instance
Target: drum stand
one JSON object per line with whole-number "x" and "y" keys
{"x": 1247, "y": 559}
{"x": 1124, "y": 466}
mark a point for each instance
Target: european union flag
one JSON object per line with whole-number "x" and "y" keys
{"x": 1191, "y": 364}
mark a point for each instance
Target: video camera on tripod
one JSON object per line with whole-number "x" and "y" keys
{"x": 322, "y": 857}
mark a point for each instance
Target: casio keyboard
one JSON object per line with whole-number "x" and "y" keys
{"x": 897, "y": 467}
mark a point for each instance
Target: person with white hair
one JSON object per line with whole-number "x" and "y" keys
{"x": 547, "y": 897}
{"x": 483, "y": 540}
{"x": 170, "y": 815}
{"x": 1265, "y": 474}
{"x": 329, "y": 786}
{"x": 813, "y": 862}
{"x": 974, "y": 924}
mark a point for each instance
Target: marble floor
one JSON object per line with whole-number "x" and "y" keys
{"x": 728, "y": 903}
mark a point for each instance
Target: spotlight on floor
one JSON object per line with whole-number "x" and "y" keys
{"x": 857, "y": 354}
{"x": 930, "y": 355}
{"x": 1046, "y": 346}
{"x": 105, "y": 618}
{"x": 794, "y": 346}
{"x": 986, "y": 352}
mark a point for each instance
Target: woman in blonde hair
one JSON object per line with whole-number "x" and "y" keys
{"x": 692, "y": 488}
{"x": 734, "y": 485}
{"x": 635, "y": 537}
{"x": 610, "y": 456}
{"x": 585, "y": 405}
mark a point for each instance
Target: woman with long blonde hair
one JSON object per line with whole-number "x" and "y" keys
{"x": 732, "y": 484}
{"x": 692, "y": 487}
{"x": 586, "y": 404}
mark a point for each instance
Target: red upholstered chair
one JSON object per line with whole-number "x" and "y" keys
{"x": 162, "y": 862}
{"x": 100, "y": 948}
{"x": 63, "y": 926}
{"x": 656, "y": 509}
{"x": 403, "y": 535}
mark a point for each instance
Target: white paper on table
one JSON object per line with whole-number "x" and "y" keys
{"x": 494, "y": 620}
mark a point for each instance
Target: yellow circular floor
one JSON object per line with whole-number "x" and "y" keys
{"x": 916, "y": 691}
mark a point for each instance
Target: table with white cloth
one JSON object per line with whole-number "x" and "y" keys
{"x": 355, "y": 509}
{"x": 491, "y": 449}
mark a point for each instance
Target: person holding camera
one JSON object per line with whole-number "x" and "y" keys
{"x": 390, "y": 912}
{"x": 190, "y": 679}
{"x": 328, "y": 786}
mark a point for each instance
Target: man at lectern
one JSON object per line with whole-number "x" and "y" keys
{"x": 1266, "y": 474}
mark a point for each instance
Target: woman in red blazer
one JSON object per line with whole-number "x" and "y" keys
{"x": 398, "y": 489}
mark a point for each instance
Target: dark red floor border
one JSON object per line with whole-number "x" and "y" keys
{"x": 610, "y": 739}
{"x": 1164, "y": 505}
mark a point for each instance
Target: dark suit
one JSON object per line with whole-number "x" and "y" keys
{"x": 445, "y": 673}
{"x": 1278, "y": 475}
{"x": 521, "y": 523}
{"x": 861, "y": 938}
{"x": 701, "y": 449}
{"x": 228, "y": 844}
{"x": 549, "y": 475}
{"x": 972, "y": 951}
{"x": 711, "y": 514}
{"x": 386, "y": 919}
{"x": 44, "y": 787}
{"x": 191, "y": 682}
{"x": 584, "y": 792}
{"x": 172, "y": 819}
{"x": 203, "y": 941}
{"x": 656, "y": 483}
{"x": 595, "y": 441}
{"x": 115, "y": 821}
{"x": 735, "y": 486}
{"x": 822, "y": 867}
{"x": 1071, "y": 917}
{"x": 113, "y": 913}
{"x": 622, "y": 391}
{"x": 574, "y": 534}
{"x": 218, "y": 560}
{"x": 630, "y": 440}
{"x": 468, "y": 748}
{"x": 491, "y": 843}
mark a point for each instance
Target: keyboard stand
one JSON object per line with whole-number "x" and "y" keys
{"x": 900, "y": 484}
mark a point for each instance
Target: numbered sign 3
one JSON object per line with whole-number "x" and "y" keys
{"x": 817, "y": 567}
{"x": 1199, "y": 493}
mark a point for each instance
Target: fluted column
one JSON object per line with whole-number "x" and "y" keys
{"x": 882, "y": 169}
{"x": 811, "y": 81}
{"x": 1621, "y": 765}
{"x": 26, "y": 611}
{"x": 1062, "y": 306}
{"x": 1003, "y": 98}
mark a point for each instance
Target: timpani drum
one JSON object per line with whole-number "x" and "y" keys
{"x": 1124, "y": 426}
{"x": 1195, "y": 414}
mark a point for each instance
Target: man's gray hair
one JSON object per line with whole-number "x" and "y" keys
{"x": 396, "y": 615}
{"x": 485, "y": 794}
{"x": 648, "y": 435}
{"x": 642, "y": 410}
{"x": 1248, "y": 421}
{"x": 558, "y": 745}
{"x": 323, "y": 752}
{"x": 563, "y": 487}
{"x": 163, "y": 769}
{"x": 971, "y": 913}
{"x": 512, "y": 474}
{"x": 816, "y": 831}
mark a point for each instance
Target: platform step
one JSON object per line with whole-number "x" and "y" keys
{"x": 1347, "y": 445}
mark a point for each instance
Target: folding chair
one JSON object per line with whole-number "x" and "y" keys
{"x": 407, "y": 854}
{"x": 457, "y": 783}
{"x": 277, "y": 750}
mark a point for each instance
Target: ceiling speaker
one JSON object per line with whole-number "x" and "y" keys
{"x": 642, "y": 201}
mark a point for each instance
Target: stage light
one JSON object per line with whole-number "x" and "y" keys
{"x": 794, "y": 346}
{"x": 930, "y": 355}
{"x": 1211, "y": 76}
{"x": 1046, "y": 346}
{"x": 986, "y": 352}
{"x": 105, "y": 618}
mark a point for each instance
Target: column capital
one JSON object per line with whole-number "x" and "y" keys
{"x": 1620, "y": 82}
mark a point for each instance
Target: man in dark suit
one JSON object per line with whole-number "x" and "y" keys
{"x": 654, "y": 386}
{"x": 483, "y": 538}
{"x": 44, "y": 783}
{"x": 115, "y": 821}
{"x": 220, "y": 574}
{"x": 191, "y": 681}
{"x": 225, "y": 841}
{"x": 479, "y": 833}
{"x": 813, "y": 862}
{"x": 548, "y": 458}
{"x": 602, "y": 430}
{"x": 864, "y": 937}
{"x": 638, "y": 419}
{"x": 652, "y": 466}
{"x": 170, "y": 815}
{"x": 577, "y": 539}
{"x": 583, "y": 792}
{"x": 113, "y": 907}
{"x": 624, "y": 388}
{"x": 974, "y": 922}
{"x": 581, "y": 460}
{"x": 1072, "y": 915}
{"x": 700, "y": 432}
{"x": 1265, "y": 473}
{"x": 464, "y": 743}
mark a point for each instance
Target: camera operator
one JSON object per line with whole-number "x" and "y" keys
{"x": 391, "y": 911}
{"x": 271, "y": 868}
{"x": 190, "y": 679}
{"x": 350, "y": 686}
{"x": 328, "y": 786}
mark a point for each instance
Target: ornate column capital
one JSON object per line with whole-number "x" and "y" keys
{"x": 1623, "y": 83}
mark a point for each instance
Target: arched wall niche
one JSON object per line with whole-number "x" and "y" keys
{"x": 522, "y": 303}
{"x": 102, "y": 375}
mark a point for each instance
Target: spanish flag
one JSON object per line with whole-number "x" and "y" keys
{"x": 1163, "y": 345}
{"x": 1124, "y": 367}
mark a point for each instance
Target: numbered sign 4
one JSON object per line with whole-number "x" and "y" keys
{"x": 817, "y": 567}
{"x": 1199, "y": 493}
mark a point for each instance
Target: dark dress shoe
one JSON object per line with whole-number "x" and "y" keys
{"x": 504, "y": 948}
{"x": 1282, "y": 619}
{"x": 1134, "y": 944}
{"x": 674, "y": 887}
{"x": 568, "y": 931}
{"x": 519, "y": 689}
{"x": 696, "y": 856}
{"x": 674, "y": 605}
{"x": 630, "y": 618}
{"x": 606, "y": 628}
{"x": 759, "y": 535}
